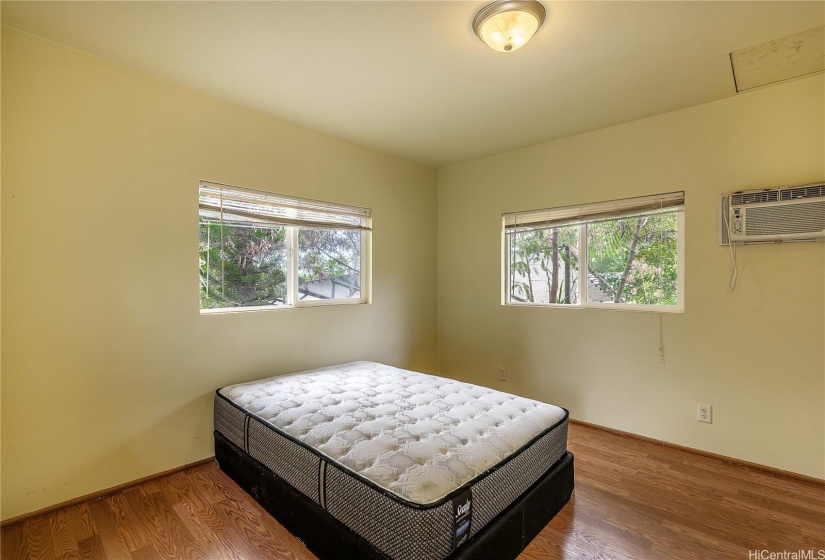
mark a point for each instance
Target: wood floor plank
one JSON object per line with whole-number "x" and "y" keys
{"x": 175, "y": 487}
{"x": 167, "y": 518}
{"x": 225, "y": 485}
{"x": 151, "y": 487}
{"x": 92, "y": 549}
{"x": 105, "y": 522}
{"x": 65, "y": 545}
{"x": 37, "y": 538}
{"x": 159, "y": 527}
{"x": 127, "y": 517}
{"x": 262, "y": 540}
{"x": 79, "y": 522}
{"x": 634, "y": 500}
{"x": 146, "y": 553}
{"x": 201, "y": 514}
{"x": 12, "y": 545}
{"x": 206, "y": 488}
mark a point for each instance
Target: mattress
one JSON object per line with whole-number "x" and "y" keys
{"x": 412, "y": 463}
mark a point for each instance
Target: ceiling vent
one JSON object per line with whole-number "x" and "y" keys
{"x": 783, "y": 59}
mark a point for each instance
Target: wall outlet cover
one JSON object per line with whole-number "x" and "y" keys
{"x": 704, "y": 413}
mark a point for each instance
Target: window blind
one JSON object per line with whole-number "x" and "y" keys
{"x": 599, "y": 211}
{"x": 226, "y": 204}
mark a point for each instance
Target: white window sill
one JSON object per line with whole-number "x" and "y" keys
{"x": 301, "y": 305}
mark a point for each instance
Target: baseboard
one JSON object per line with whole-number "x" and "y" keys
{"x": 725, "y": 458}
{"x": 101, "y": 493}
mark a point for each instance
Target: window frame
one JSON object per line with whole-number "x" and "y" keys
{"x": 292, "y": 264}
{"x": 582, "y": 286}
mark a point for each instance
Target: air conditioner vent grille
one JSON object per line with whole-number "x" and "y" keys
{"x": 812, "y": 191}
{"x": 786, "y": 219}
{"x": 754, "y": 197}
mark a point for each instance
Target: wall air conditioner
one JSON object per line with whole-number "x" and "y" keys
{"x": 771, "y": 215}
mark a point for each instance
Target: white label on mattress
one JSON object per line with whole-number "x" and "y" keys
{"x": 462, "y": 517}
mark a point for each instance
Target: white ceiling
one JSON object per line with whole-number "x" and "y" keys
{"x": 410, "y": 78}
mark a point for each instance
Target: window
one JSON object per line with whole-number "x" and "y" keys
{"x": 264, "y": 250}
{"x": 623, "y": 254}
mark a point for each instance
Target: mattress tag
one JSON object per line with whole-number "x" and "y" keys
{"x": 462, "y": 517}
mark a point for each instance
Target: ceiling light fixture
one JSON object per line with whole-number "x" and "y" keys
{"x": 506, "y": 25}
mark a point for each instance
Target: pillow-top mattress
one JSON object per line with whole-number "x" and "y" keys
{"x": 414, "y": 464}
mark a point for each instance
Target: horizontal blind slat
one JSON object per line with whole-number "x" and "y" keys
{"x": 238, "y": 217}
{"x": 217, "y": 203}
{"x": 284, "y": 203}
{"x": 286, "y": 200}
{"x": 572, "y": 215}
{"x": 593, "y": 219}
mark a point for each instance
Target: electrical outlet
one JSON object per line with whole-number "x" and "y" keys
{"x": 704, "y": 413}
{"x": 502, "y": 374}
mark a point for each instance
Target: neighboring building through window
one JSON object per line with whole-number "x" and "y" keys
{"x": 623, "y": 254}
{"x": 264, "y": 250}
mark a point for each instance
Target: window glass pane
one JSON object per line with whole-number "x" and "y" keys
{"x": 329, "y": 264}
{"x": 544, "y": 265}
{"x": 242, "y": 266}
{"x": 633, "y": 260}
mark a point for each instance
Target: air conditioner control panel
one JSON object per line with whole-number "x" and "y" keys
{"x": 736, "y": 222}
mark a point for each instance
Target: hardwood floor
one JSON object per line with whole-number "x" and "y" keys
{"x": 633, "y": 499}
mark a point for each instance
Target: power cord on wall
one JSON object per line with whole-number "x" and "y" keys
{"x": 661, "y": 340}
{"x": 734, "y": 272}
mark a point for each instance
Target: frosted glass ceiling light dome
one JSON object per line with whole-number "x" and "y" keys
{"x": 506, "y": 25}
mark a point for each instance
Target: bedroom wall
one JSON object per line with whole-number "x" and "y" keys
{"x": 108, "y": 368}
{"x": 756, "y": 354}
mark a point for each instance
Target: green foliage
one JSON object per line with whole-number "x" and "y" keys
{"x": 531, "y": 267}
{"x": 329, "y": 263}
{"x": 625, "y": 264}
{"x": 326, "y": 253}
{"x": 650, "y": 277}
{"x": 242, "y": 266}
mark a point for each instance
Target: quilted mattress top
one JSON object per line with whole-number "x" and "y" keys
{"x": 415, "y": 435}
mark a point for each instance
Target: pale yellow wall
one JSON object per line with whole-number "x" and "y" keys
{"x": 1, "y": 276}
{"x": 756, "y": 355}
{"x": 108, "y": 368}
